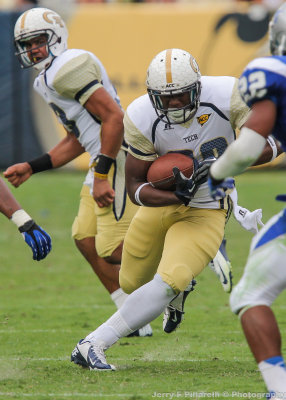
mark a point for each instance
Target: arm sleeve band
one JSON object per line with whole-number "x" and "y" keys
{"x": 136, "y": 195}
{"x": 239, "y": 155}
{"x": 41, "y": 163}
{"x": 273, "y": 146}
{"x": 103, "y": 164}
{"x": 20, "y": 217}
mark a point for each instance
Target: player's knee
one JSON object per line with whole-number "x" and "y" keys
{"x": 79, "y": 231}
{"x": 108, "y": 250}
{"x": 178, "y": 277}
{"x": 239, "y": 302}
{"x": 129, "y": 281}
{"x": 127, "y": 284}
{"x": 115, "y": 256}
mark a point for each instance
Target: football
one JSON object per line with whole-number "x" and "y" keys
{"x": 160, "y": 174}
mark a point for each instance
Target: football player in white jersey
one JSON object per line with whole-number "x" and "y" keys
{"x": 35, "y": 236}
{"x": 263, "y": 86}
{"x": 174, "y": 235}
{"x": 76, "y": 86}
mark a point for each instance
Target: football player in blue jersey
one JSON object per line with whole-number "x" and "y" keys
{"x": 263, "y": 87}
{"x": 35, "y": 236}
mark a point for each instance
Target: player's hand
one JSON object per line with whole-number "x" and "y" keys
{"x": 103, "y": 193}
{"x": 39, "y": 240}
{"x": 18, "y": 173}
{"x": 201, "y": 171}
{"x": 219, "y": 189}
{"x": 185, "y": 187}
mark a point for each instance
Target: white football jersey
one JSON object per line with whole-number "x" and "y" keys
{"x": 209, "y": 133}
{"x": 66, "y": 85}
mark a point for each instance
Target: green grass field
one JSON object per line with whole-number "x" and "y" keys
{"x": 47, "y": 306}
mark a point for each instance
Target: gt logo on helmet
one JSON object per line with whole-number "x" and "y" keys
{"x": 55, "y": 18}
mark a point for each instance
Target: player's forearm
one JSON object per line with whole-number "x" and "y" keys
{"x": 112, "y": 132}
{"x": 271, "y": 150}
{"x": 239, "y": 155}
{"x": 111, "y": 141}
{"x": 67, "y": 150}
{"x": 146, "y": 195}
{"x": 8, "y": 204}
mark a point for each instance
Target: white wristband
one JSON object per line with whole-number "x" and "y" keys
{"x": 20, "y": 217}
{"x": 136, "y": 195}
{"x": 273, "y": 146}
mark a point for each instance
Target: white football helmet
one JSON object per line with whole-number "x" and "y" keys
{"x": 173, "y": 72}
{"x": 277, "y": 32}
{"x": 37, "y": 22}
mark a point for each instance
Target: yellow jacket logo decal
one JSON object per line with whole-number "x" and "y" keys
{"x": 202, "y": 119}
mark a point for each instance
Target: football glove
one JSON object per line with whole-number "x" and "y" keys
{"x": 185, "y": 187}
{"x": 201, "y": 172}
{"x": 39, "y": 240}
{"x": 219, "y": 189}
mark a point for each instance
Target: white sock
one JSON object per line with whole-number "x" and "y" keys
{"x": 118, "y": 297}
{"x": 274, "y": 374}
{"x": 146, "y": 303}
{"x": 141, "y": 307}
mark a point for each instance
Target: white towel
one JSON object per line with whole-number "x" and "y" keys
{"x": 249, "y": 220}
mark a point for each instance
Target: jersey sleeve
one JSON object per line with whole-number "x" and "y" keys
{"x": 138, "y": 145}
{"x": 78, "y": 78}
{"x": 239, "y": 111}
{"x": 259, "y": 81}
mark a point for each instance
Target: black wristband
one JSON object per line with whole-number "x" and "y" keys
{"x": 103, "y": 164}
{"x": 27, "y": 225}
{"x": 41, "y": 163}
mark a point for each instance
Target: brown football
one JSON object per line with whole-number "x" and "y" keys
{"x": 160, "y": 174}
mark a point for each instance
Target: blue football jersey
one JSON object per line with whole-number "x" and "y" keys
{"x": 265, "y": 78}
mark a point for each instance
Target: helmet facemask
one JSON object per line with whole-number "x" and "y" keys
{"x": 176, "y": 115}
{"x": 278, "y": 45}
{"x": 50, "y": 30}
{"x": 174, "y": 86}
{"x": 277, "y": 32}
{"x": 24, "y": 52}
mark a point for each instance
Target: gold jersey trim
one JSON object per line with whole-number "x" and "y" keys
{"x": 239, "y": 111}
{"x": 135, "y": 138}
{"x": 77, "y": 74}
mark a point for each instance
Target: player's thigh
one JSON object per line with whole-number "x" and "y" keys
{"x": 190, "y": 243}
{"x": 111, "y": 230}
{"x": 264, "y": 277}
{"x": 114, "y": 220}
{"x": 85, "y": 223}
{"x": 142, "y": 248}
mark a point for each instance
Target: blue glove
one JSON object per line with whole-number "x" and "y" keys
{"x": 39, "y": 240}
{"x": 185, "y": 187}
{"x": 219, "y": 189}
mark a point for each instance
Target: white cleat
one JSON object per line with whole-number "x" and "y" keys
{"x": 174, "y": 312}
{"x": 91, "y": 355}
{"x": 221, "y": 266}
{"x": 145, "y": 331}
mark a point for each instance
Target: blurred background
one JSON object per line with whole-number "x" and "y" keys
{"x": 222, "y": 35}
